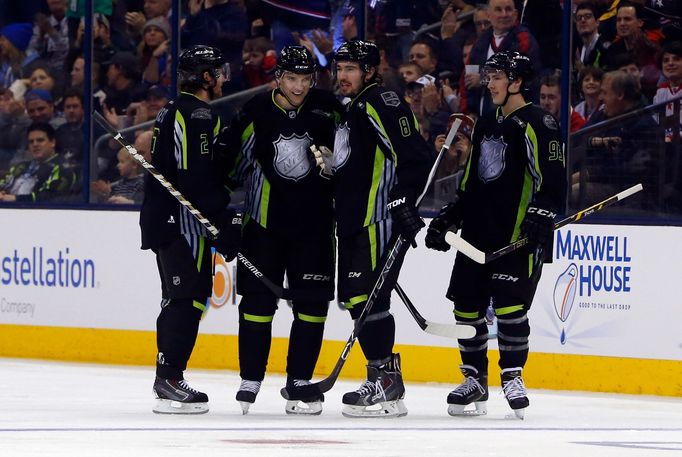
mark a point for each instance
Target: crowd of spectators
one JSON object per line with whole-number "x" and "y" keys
{"x": 432, "y": 52}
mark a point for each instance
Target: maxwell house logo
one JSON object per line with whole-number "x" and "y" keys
{"x": 600, "y": 264}
{"x": 564, "y": 295}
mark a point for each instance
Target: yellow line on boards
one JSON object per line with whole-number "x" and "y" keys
{"x": 419, "y": 363}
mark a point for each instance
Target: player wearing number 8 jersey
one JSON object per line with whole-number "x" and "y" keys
{"x": 380, "y": 166}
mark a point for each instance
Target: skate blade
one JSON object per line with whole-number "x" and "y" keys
{"x": 164, "y": 406}
{"x": 518, "y": 414}
{"x": 313, "y": 408}
{"x": 481, "y": 409}
{"x": 394, "y": 408}
{"x": 245, "y": 405}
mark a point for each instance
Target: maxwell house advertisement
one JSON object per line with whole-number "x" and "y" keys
{"x": 609, "y": 291}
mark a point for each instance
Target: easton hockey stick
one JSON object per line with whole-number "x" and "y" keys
{"x": 294, "y": 392}
{"x": 280, "y": 292}
{"x": 455, "y": 331}
{"x": 478, "y": 256}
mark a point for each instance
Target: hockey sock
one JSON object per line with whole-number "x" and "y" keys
{"x": 176, "y": 332}
{"x": 512, "y": 338}
{"x": 255, "y": 337}
{"x": 305, "y": 339}
{"x": 377, "y": 337}
{"x": 474, "y": 351}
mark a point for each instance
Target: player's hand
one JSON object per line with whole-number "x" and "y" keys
{"x": 449, "y": 218}
{"x": 538, "y": 225}
{"x": 323, "y": 159}
{"x": 406, "y": 218}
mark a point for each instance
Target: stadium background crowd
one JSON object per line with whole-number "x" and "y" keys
{"x": 626, "y": 64}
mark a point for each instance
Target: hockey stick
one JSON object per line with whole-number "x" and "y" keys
{"x": 455, "y": 331}
{"x": 280, "y": 292}
{"x": 478, "y": 256}
{"x": 399, "y": 246}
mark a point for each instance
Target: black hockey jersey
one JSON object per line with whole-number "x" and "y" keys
{"x": 284, "y": 191}
{"x": 379, "y": 153}
{"x": 515, "y": 160}
{"x": 183, "y": 151}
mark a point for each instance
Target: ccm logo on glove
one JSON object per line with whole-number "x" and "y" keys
{"x": 541, "y": 212}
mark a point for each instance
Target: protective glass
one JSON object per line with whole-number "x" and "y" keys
{"x": 223, "y": 71}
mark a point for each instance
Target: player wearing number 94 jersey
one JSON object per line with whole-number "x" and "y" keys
{"x": 513, "y": 186}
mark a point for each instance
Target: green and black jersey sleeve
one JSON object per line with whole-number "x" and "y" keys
{"x": 183, "y": 151}
{"x": 52, "y": 180}
{"x": 379, "y": 154}
{"x": 515, "y": 160}
{"x": 284, "y": 191}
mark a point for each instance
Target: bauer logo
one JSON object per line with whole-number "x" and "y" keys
{"x": 44, "y": 267}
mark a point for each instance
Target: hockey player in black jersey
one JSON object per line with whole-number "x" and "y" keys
{"x": 514, "y": 186}
{"x": 183, "y": 151}
{"x": 288, "y": 225}
{"x": 380, "y": 165}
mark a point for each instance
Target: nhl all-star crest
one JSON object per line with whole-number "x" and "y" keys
{"x": 291, "y": 156}
{"x": 491, "y": 163}
{"x": 341, "y": 147}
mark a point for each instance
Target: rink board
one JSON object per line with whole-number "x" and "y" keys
{"x": 75, "y": 286}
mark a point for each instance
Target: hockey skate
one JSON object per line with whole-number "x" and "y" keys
{"x": 306, "y": 407}
{"x": 474, "y": 389}
{"x": 380, "y": 395}
{"x": 246, "y": 395}
{"x": 514, "y": 390}
{"x": 175, "y": 396}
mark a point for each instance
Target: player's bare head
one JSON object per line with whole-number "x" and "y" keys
{"x": 295, "y": 74}
{"x": 355, "y": 66}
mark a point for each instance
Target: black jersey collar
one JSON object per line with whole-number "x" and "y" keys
{"x": 286, "y": 111}
{"x": 361, "y": 92}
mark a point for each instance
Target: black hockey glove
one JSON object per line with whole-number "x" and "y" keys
{"x": 538, "y": 226}
{"x": 406, "y": 220}
{"x": 228, "y": 241}
{"x": 449, "y": 218}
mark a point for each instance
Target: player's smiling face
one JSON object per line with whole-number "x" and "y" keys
{"x": 350, "y": 78}
{"x": 295, "y": 86}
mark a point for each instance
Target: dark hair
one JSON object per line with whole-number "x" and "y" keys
{"x": 433, "y": 50}
{"x": 627, "y": 3}
{"x": 673, "y": 47}
{"x": 73, "y": 92}
{"x": 596, "y": 72}
{"x": 43, "y": 127}
{"x": 589, "y": 6}
{"x": 622, "y": 60}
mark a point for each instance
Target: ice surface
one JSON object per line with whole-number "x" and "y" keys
{"x": 64, "y": 409}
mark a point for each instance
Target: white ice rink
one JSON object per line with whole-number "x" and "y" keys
{"x": 58, "y": 409}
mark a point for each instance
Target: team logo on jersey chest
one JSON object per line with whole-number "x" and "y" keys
{"x": 491, "y": 162}
{"x": 341, "y": 147}
{"x": 291, "y": 156}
